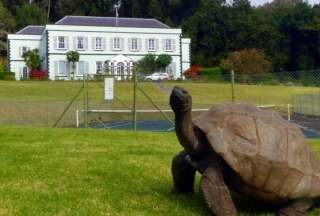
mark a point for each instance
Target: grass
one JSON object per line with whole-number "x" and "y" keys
{"x": 94, "y": 172}
{"x": 203, "y": 93}
{"x": 40, "y": 103}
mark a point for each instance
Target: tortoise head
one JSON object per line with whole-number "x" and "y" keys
{"x": 180, "y": 100}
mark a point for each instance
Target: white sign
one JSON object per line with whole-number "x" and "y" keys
{"x": 109, "y": 88}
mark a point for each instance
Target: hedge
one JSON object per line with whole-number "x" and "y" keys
{"x": 7, "y": 76}
{"x": 213, "y": 74}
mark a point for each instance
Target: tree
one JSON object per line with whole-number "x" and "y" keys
{"x": 146, "y": 65}
{"x": 6, "y": 19}
{"x": 208, "y": 32}
{"x": 31, "y": 14}
{"x": 32, "y": 59}
{"x": 247, "y": 62}
{"x": 73, "y": 58}
{"x": 80, "y": 7}
{"x": 163, "y": 61}
{"x": 7, "y": 24}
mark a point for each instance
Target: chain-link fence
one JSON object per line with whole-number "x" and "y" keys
{"x": 146, "y": 104}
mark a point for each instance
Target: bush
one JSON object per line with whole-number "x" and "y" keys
{"x": 193, "y": 71}
{"x": 213, "y": 74}
{"x": 7, "y": 76}
{"x": 39, "y": 74}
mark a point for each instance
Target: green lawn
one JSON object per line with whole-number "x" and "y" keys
{"x": 40, "y": 103}
{"x": 203, "y": 93}
{"x": 94, "y": 172}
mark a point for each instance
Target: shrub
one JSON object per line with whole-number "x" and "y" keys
{"x": 32, "y": 59}
{"x": 7, "y": 76}
{"x": 193, "y": 71}
{"x": 163, "y": 61}
{"x": 39, "y": 74}
{"x": 146, "y": 65}
{"x": 213, "y": 74}
{"x": 73, "y": 57}
{"x": 247, "y": 62}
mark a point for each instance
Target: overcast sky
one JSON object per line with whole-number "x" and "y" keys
{"x": 260, "y": 2}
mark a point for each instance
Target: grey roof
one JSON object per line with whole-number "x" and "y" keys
{"x": 31, "y": 30}
{"x": 111, "y": 22}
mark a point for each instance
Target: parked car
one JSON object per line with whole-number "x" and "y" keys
{"x": 157, "y": 77}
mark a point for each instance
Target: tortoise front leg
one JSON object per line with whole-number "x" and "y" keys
{"x": 183, "y": 173}
{"x": 215, "y": 192}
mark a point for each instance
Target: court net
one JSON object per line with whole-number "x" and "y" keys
{"x": 147, "y": 119}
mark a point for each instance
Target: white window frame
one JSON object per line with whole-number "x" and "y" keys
{"x": 116, "y": 43}
{"x": 168, "y": 45}
{"x": 60, "y": 64}
{"x": 61, "y": 43}
{"x": 134, "y": 46}
{"x": 99, "y": 67}
{"x": 83, "y": 64}
{"x": 80, "y": 43}
{"x": 152, "y": 44}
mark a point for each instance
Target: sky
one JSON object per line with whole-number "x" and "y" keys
{"x": 260, "y": 2}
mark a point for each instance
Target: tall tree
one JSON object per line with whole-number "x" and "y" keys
{"x": 73, "y": 57}
{"x": 7, "y": 25}
{"x": 31, "y": 15}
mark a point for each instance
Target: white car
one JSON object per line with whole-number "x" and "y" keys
{"x": 157, "y": 77}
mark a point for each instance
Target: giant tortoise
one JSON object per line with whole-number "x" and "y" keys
{"x": 245, "y": 149}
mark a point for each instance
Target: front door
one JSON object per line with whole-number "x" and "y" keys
{"x": 25, "y": 73}
{"x": 120, "y": 70}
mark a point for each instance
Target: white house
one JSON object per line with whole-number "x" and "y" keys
{"x": 110, "y": 42}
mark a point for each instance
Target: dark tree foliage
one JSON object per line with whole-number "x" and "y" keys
{"x": 287, "y": 31}
{"x": 30, "y": 14}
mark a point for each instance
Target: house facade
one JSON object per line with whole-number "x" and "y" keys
{"x": 106, "y": 45}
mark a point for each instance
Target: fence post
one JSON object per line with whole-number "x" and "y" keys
{"x": 87, "y": 99}
{"x": 84, "y": 101}
{"x": 134, "y": 108}
{"x": 77, "y": 118}
{"x": 232, "y": 85}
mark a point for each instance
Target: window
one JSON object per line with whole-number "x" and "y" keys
{"x": 168, "y": 45}
{"x": 120, "y": 70}
{"x": 23, "y": 50}
{"x": 25, "y": 73}
{"x": 81, "y": 68}
{"x": 112, "y": 68}
{"x": 80, "y": 43}
{"x": 151, "y": 44}
{"x": 99, "y": 67}
{"x": 61, "y": 42}
{"x": 98, "y": 42}
{"x": 62, "y": 68}
{"x": 116, "y": 43}
{"x": 134, "y": 44}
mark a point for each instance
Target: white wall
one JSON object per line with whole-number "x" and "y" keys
{"x": 108, "y": 36}
{"x": 108, "y": 33}
{"x": 16, "y": 62}
{"x": 186, "y": 58}
{"x": 92, "y": 56}
{"x": 92, "y": 59}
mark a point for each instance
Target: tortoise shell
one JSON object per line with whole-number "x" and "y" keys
{"x": 269, "y": 153}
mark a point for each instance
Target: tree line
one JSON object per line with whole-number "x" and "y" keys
{"x": 286, "y": 32}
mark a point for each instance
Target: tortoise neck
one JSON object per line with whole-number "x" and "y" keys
{"x": 185, "y": 130}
